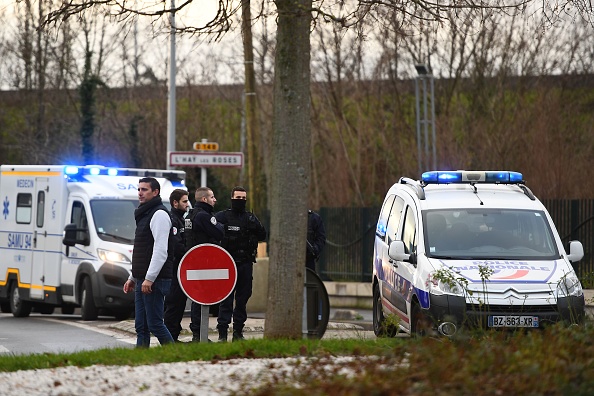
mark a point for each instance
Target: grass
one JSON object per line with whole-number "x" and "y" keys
{"x": 556, "y": 360}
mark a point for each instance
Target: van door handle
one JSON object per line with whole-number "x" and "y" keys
{"x": 394, "y": 263}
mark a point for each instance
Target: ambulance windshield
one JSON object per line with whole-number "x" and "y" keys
{"x": 114, "y": 219}
{"x": 489, "y": 234}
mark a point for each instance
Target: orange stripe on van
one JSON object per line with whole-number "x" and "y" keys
{"x": 24, "y": 285}
{"x": 38, "y": 173}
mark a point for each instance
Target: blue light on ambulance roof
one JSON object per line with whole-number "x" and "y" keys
{"x": 71, "y": 170}
{"x": 94, "y": 171}
{"x": 112, "y": 172}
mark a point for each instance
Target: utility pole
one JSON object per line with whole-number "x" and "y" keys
{"x": 251, "y": 124}
{"x": 171, "y": 98}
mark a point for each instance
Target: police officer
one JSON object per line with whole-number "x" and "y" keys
{"x": 243, "y": 231}
{"x": 202, "y": 227}
{"x": 316, "y": 239}
{"x": 175, "y": 302}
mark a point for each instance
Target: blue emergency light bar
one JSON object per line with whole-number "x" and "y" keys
{"x": 77, "y": 173}
{"x": 448, "y": 177}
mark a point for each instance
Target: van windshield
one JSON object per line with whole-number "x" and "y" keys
{"x": 114, "y": 219}
{"x": 504, "y": 234}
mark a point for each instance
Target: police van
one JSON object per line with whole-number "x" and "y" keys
{"x": 466, "y": 249}
{"x": 66, "y": 237}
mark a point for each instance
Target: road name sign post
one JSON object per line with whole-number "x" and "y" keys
{"x": 207, "y": 274}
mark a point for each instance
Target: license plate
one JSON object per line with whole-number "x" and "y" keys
{"x": 513, "y": 321}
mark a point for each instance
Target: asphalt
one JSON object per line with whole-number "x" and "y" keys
{"x": 342, "y": 323}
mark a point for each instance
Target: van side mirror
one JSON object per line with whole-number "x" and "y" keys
{"x": 396, "y": 251}
{"x": 576, "y": 251}
{"x": 74, "y": 235}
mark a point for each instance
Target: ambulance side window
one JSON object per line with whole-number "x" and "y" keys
{"x": 24, "y": 208}
{"x": 40, "y": 208}
{"x": 409, "y": 234}
{"x": 394, "y": 219}
{"x": 79, "y": 217}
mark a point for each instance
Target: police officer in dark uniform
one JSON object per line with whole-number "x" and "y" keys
{"x": 243, "y": 231}
{"x": 202, "y": 227}
{"x": 316, "y": 239}
{"x": 175, "y": 302}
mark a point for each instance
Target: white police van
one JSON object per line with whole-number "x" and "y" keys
{"x": 470, "y": 248}
{"x": 66, "y": 237}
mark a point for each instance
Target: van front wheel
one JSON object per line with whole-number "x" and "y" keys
{"x": 421, "y": 323}
{"x": 19, "y": 308}
{"x": 88, "y": 310}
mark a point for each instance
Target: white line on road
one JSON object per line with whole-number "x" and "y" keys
{"x": 211, "y": 274}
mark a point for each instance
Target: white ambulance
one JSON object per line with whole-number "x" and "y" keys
{"x": 466, "y": 249}
{"x": 66, "y": 237}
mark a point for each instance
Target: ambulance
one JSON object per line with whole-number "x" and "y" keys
{"x": 66, "y": 237}
{"x": 463, "y": 249}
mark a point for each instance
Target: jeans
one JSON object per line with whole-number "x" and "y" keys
{"x": 149, "y": 313}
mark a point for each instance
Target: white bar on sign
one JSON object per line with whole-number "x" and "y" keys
{"x": 210, "y": 274}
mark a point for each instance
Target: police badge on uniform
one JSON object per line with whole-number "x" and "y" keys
{"x": 213, "y": 220}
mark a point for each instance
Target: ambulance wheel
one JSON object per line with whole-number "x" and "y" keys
{"x": 19, "y": 308}
{"x": 380, "y": 326}
{"x": 88, "y": 310}
{"x": 5, "y": 307}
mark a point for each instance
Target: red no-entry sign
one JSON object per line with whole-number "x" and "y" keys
{"x": 207, "y": 274}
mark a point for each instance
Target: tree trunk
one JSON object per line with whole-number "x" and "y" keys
{"x": 290, "y": 172}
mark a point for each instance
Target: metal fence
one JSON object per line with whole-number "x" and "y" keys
{"x": 350, "y": 233}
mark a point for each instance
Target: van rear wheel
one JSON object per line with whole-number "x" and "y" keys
{"x": 19, "y": 308}
{"x": 88, "y": 310}
{"x": 380, "y": 326}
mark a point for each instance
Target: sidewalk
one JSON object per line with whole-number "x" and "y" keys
{"x": 343, "y": 323}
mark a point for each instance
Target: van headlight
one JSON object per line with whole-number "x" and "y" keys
{"x": 569, "y": 285}
{"x": 112, "y": 257}
{"x": 443, "y": 282}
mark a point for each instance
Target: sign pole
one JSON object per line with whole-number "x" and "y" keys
{"x": 203, "y": 171}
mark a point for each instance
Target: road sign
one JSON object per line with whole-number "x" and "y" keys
{"x": 207, "y": 274}
{"x": 206, "y": 146}
{"x": 206, "y": 160}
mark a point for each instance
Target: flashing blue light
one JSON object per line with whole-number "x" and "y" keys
{"x": 449, "y": 177}
{"x": 94, "y": 171}
{"x": 71, "y": 170}
{"x": 429, "y": 177}
{"x": 516, "y": 177}
{"x": 112, "y": 172}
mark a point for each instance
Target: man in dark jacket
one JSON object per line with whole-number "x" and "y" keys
{"x": 175, "y": 302}
{"x": 316, "y": 239}
{"x": 243, "y": 231}
{"x": 152, "y": 264}
{"x": 202, "y": 227}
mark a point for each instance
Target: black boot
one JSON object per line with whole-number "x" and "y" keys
{"x": 222, "y": 335}
{"x": 238, "y": 335}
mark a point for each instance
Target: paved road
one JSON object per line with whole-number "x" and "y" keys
{"x": 56, "y": 334}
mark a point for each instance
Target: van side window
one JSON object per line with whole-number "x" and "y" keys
{"x": 394, "y": 219}
{"x": 382, "y": 222}
{"x": 409, "y": 234}
{"x": 79, "y": 217}
{"x": 40, "y": 208}
{"x": 24, "y": 208}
